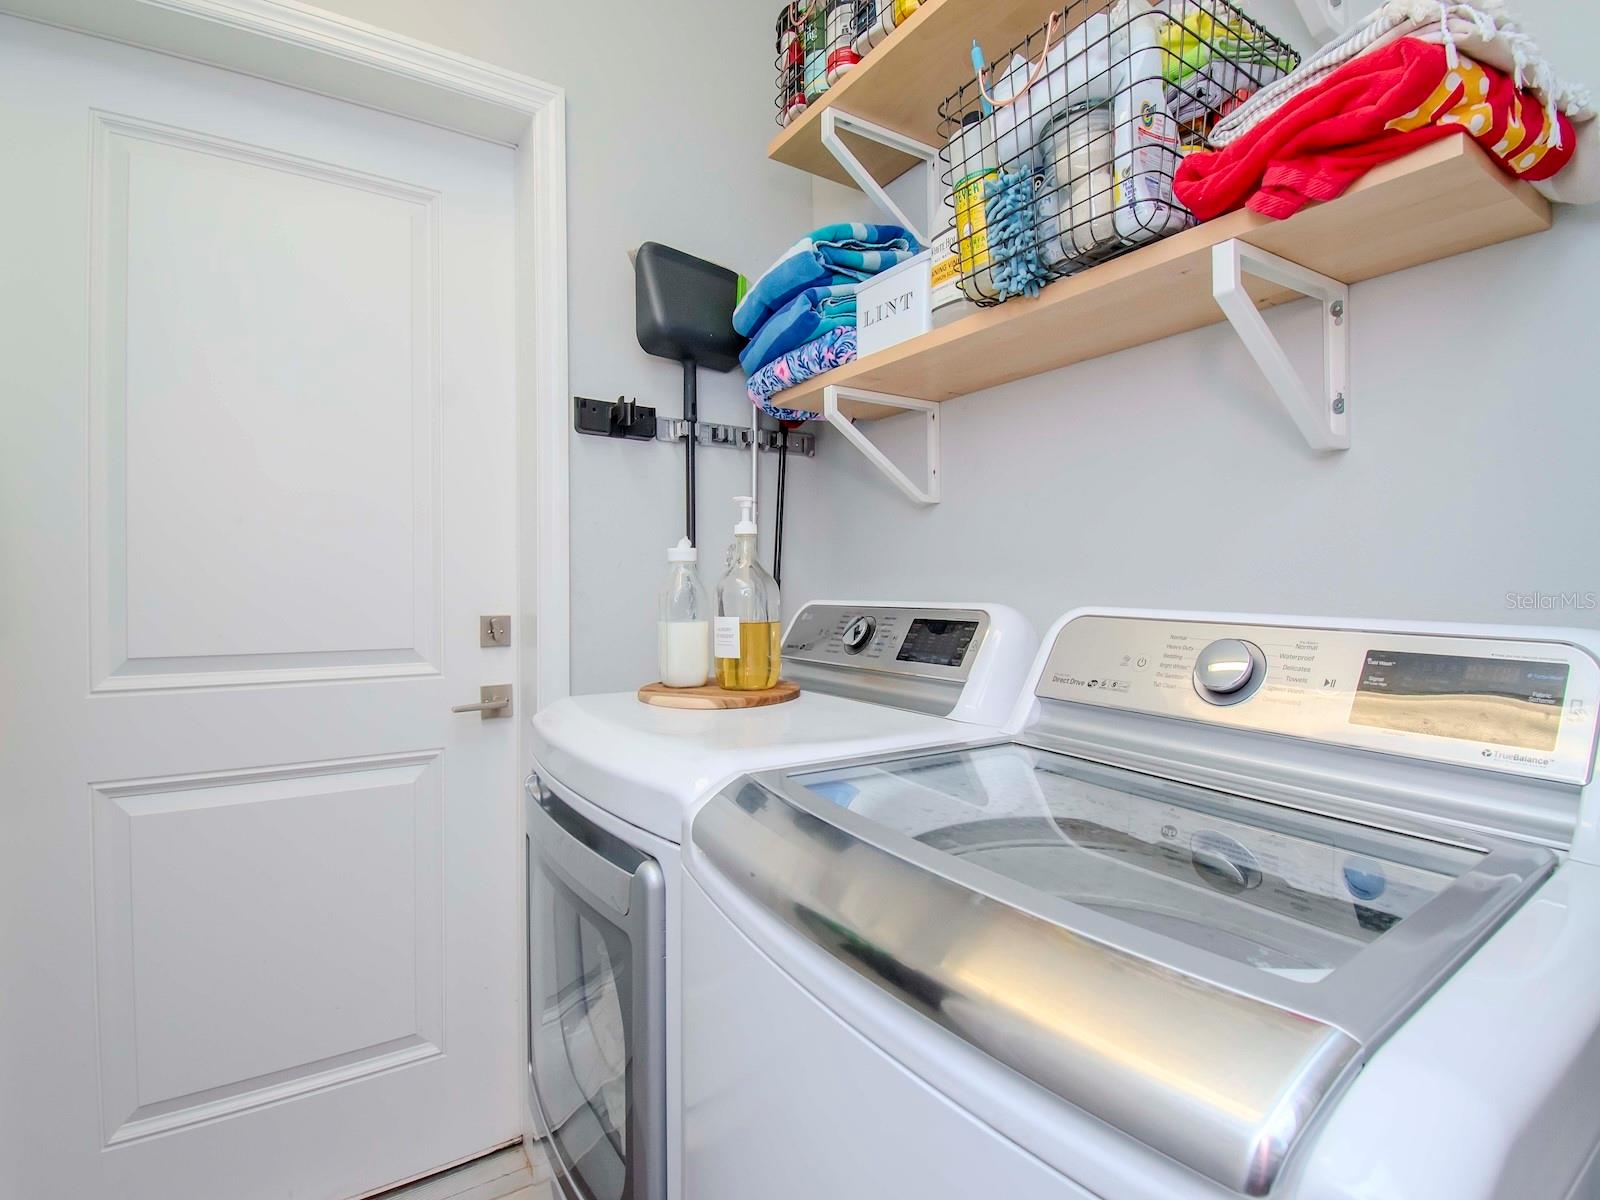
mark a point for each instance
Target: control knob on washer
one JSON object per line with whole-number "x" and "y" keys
{"x": 1228, "y": 670}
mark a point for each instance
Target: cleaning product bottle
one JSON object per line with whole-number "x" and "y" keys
{"x": 1147, "y": 138}
{"x": 683, "y": 624}
{"x": 972, "y": 166}
{"x": 816, "y": 50}
{"x": 746, "y": 643}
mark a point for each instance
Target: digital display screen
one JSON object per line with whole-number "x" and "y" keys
{"x": 937, "y": 643}
{"x": 1504, "y": 701}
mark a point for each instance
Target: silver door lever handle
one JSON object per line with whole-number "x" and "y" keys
{"x": 494, "y": 700}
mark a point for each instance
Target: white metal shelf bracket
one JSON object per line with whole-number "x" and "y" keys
{"x": 927, "y": 493}
{"x": 834, "y": 121}
{"x": 1324, "y": 421}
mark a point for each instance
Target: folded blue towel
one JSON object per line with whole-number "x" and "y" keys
{"x": 809, "y": 315}
{"x": 800, "y": 364}
{"x": 834, "y": 254}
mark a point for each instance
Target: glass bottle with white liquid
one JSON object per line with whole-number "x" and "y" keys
{"x": 683, "y": 621}
{"x": 747, "y": 641}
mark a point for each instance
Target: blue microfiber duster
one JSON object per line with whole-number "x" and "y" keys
{"x": 1014, "y": 260}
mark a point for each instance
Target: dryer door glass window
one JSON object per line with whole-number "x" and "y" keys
{"x": 1290, "y": 893}
{"x": 594, "y": 914}
{"x": 579, "y": 1036}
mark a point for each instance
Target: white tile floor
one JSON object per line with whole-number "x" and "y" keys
{"x": 507, "y": 1175}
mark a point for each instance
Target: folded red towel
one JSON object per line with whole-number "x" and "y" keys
{"x": 1375, "y": 108}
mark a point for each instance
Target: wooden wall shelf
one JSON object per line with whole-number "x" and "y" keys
{"x": 1443, "y": 200}
{"x": 902, "y": 82}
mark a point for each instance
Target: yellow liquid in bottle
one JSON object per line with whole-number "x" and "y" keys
{"x": 759, "y": 660}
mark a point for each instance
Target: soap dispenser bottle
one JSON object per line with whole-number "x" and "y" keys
{"x": 747, "y": 634}
{"x": 683, "y": 624}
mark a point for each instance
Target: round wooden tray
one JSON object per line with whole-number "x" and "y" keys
{"x": 711, "y": 696}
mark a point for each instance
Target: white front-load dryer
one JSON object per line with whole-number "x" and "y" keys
{"x": 615, "y": 782}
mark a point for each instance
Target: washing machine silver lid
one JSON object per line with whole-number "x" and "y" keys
{"x": 1199, "y": 969}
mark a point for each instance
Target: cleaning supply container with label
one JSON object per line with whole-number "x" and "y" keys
{"x": 815, "y": 38}
{"x": 748, "y": 631}
{"x": 841, "y": 34}
{"x": 973, "y": 164}
{"x": 683, "y": 621}
{"x": 1147, "y": 138}
{"x": 1083, "y": 154}
{"x": 791, "y": 62}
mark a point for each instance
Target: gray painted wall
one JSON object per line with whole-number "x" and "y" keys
{"x": 1161, "y": 476}
{"x": 1168, "y": 476}
{"x": 669, "y": 115}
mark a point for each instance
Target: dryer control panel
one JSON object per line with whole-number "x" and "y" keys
{"x": 937, "y": 643}
{"x": 968, "y": 662}
{"x": 1524, "y": 707}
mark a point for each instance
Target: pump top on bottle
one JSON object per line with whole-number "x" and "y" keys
{"x": 747, "y": 634}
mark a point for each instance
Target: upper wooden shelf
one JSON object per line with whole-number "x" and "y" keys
{"x": 1442, "y": 200}
{"x": 902, "y": 82}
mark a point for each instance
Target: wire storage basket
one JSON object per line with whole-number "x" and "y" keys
{"x": 818, "y": 41}
{"x": 1061, "y": 154}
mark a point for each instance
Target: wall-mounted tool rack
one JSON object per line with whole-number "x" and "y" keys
{"x": 628, "y": 419}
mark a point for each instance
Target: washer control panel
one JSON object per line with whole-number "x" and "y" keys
{"x": 1524, "y": 707}
{"x": 934, "y": 643}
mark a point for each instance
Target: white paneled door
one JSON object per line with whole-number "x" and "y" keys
{"x": 258, "y": 886}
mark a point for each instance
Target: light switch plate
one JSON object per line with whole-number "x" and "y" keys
{"x": 495, "y": 630}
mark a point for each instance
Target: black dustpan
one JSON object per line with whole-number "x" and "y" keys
{"x": 683, "y": 310}
{"x": 684, "y": 306}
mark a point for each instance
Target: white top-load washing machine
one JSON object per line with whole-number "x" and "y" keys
{"x": 1242, "y": 906}
{"x": 614, "y": 784}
